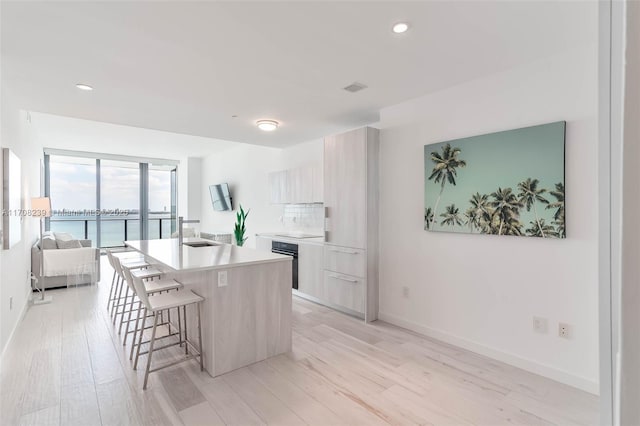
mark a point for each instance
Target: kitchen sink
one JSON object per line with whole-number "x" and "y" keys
{"x": 200, "y": 244}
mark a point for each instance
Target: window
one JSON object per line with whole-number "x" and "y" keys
{"x": 110, "y": 200}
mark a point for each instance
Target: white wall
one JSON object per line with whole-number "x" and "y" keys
{"x": 15, "y": 263}
{"x": 245, "y": 168}
{"x": 481, "y": 291}
{"x": 51, "y": 131}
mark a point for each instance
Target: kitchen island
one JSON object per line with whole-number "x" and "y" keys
{"x": 246, "y": 314}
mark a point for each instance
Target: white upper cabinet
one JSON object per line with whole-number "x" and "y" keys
{"x": 277, "y": 187}
{"x": 296, "y": 186}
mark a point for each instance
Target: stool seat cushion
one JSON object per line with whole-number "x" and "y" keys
{"x": 146, "y": 273}
{"x": 134, "y": 264}
{"x": 161, "y": 285}
{"x": 172, "y": 300}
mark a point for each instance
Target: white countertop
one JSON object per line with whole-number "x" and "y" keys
{"x": 186, "y": 258}
{"x": 290, "y": 239}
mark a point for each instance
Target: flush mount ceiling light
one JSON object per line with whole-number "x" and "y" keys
{"x": 267, "y": 125}
{"x": 400, "y": 27}
{"x": 85, "y": 87}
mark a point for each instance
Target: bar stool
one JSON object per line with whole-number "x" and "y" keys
{"x": 153, "y": 306}
{"x": 151, "y": 288}
{"x": 136, "y": 269}
{"x": 129, "y": 257}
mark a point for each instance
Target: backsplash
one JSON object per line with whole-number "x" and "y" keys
{"x": 303, "y": 217}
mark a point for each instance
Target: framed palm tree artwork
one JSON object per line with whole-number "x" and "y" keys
{"x": 504, "y": 183}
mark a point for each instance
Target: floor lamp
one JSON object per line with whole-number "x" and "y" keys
{"x": 41, "y": 208}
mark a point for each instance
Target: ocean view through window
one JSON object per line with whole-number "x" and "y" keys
{"x": 101, "y": 199}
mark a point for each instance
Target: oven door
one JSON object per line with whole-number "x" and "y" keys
{"x": 294, "y": 265}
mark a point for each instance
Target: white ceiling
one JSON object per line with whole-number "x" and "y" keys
{"x": 188, "y": 67}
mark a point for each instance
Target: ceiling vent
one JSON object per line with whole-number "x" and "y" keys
{"x": 355, "y": 87}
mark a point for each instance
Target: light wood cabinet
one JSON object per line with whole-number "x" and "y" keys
{"x": 345, "y": 260}
{"x": 310, "y": 270}
{"x": 263, "y": 243}
{"x": 345, "y": 178}
{"x": 345, "y": 291}
{"x": 278, "y": 187}
{"x": 351, "y": 222}
{"x": 301, "y": 185}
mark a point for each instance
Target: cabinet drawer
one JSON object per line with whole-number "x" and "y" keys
{"x": 344, "y": 290}
{"x": 345, "y": 260}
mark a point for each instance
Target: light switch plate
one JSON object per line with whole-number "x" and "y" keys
{"x": 222, "y": 278}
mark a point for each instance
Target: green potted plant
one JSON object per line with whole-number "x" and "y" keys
{"x": 239, "y": 229}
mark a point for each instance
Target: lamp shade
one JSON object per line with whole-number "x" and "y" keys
{"x": 41, "y": 207}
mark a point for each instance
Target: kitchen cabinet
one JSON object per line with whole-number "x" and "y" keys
{"x": 301, "y": 185}
{"x": 263, "y": 244}
{"x": 278, "y": 187}
{"x": 344, "y": 290}
{"x": 351, "y": 221}
{"x": 345, "y": 260}
{"x": 345, "y": 177}
{"x": 310, "y": 270}
{"x": 310, "y": 265}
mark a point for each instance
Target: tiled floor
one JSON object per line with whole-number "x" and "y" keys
{"x": 67, "y": 366}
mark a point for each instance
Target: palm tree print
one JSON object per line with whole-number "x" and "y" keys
{"x": 451, "y": 216}
{"x": 559, "y": 214}
{"x": 539, "y": 228}
{"x": 530, "y": 195}
{"x": 482, "y": 210}
{"x": 507, "y": 209}
{"x": 428, "y": 218}
{"x": 445, "y": 170}
{"x": 512, "y": 183}
{"x": 471, "y": 219}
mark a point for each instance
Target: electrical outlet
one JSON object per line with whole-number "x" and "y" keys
{"x": 11, "y": 303}
{"x": 564, "y": 330}
{"x": 222, "y": 278}
{"x": 540, "y": 325}
{"x": 405, "y": 291}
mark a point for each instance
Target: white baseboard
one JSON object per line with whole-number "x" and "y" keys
{"x": 23, "y": 311}
{"x": 526, "y": 364}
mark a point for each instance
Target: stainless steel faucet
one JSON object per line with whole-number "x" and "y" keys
{"x": 181, "y": 221}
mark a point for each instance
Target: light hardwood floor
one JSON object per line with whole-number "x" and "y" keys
{"x": 67, "y": 366}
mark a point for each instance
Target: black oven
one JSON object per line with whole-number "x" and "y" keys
{"x": 288, "y": 249}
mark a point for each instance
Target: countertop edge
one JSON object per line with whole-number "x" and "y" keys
{"x": 211, "y": 267}
{"x": 273, "y": 236}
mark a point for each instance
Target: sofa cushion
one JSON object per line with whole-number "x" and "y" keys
{"x": 71, "y": 244}
{"x": 49, "y": 243}
{"x": 63, "y": 236}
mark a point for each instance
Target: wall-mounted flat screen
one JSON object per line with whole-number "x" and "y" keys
{"x": 220, "y": 197}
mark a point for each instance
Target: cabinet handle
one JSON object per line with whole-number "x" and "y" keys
{"x": 338, "y": 277}
{"x": 343, "y": 251}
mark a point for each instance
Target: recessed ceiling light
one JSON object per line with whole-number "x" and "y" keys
{"x": 84, "y": 87}
{"x": 267, "y": 125}
{"x": 400, "y": 27}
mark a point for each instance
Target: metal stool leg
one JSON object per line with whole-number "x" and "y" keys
{"x": 115, "y": 295}
{"x": 199, "y": 338}
{"x": 150, "y": 354}
{"x": 113, "y": 280}
{"x": 128, "y": 321}
{"x": 135, "y": 331}
{"x": 144, "y": 320}
{"x": 115, "y": 312}
{"x": 186, "y": 345}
